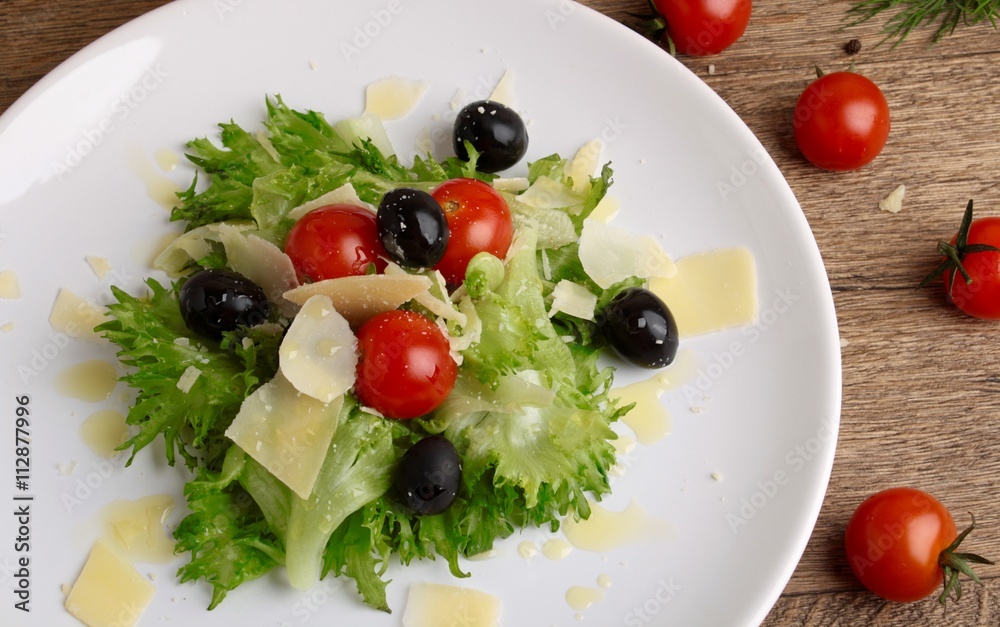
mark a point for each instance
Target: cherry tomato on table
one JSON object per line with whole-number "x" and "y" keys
{"x": 901, "y": 545}
{"x": 478, "y": 220}
{"x": 704, "y": 27}
{"x": 405, "y": 368}
{"x": 333, "y": 242}
{"x": 841, "y": 121}
{"x": 971, "y": 267}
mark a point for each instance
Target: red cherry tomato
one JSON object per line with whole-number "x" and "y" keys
{"x": 405, "y": 368}
{"x": 333, "y": 242}
{"x": 704, "y": 27}
{"x": 841, "y": 121}
{"x": 479, "y": 220}
{"x": 899, "y": 545}
{"x": 979, "y": 296}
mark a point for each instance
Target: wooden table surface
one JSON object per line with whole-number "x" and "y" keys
{"x": 921, "y": 381}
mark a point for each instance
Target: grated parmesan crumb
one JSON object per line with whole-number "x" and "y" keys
{"x": 893, "y": 203}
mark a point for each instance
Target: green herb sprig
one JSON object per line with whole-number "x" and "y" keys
{"x": 911, "y": 14}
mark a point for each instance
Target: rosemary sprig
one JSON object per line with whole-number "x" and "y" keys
{"x": 915, "y": 13}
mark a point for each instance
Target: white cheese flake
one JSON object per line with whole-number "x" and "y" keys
{"x": 547, "y": 193}
{"x": 194, "y": 245}
{"x": 343, "y": 195}
{"x": 358, "y": 298}
{"x": 393, "y": 97}
{"x": 286, "y": 432}
{"x": 610, "y": 254}
{"x": 573, "y": 299}
{"x": 109, "y": 592}
{"x": 584, "y": 165}
{"x": 893, "y": 203}
{"x": 188, "y": 378}
{"x": 10, "y": 286}
{"x": 305, "y": 357}
{"x": 100, "y": 266}
{"x": 504, "y": 91}
{"x": 263, "y": 263}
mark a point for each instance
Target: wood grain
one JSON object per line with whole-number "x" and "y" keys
{"x": 921, "y": 381}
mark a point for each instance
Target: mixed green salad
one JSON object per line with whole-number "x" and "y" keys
{"x": 514, "y": 426}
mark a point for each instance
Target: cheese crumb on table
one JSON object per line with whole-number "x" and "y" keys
{"x": 893, "y": 203}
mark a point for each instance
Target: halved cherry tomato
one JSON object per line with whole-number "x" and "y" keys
{"x": 478, "y": 219}
{"x": 704, "y": 27}
{"x": 901, "y": 545}
{"x": 405, "y": 368}
{"x": 333, "y": 242}
{"x": 841, "y": 121}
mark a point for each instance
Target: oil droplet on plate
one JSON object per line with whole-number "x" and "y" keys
{"x": 158, "y": 187}
{"x": 166, "y": 159}
{"x": 527, "y": 550}
{"x": 91, "y": 381}
{"x": 604, "y": 581}
{"x": 482, "y": 557}
{"x": 437, "y": 605}
{"x": 104, "y": 431}
{"x": 557, "y": 549}
{"x": 649, "y": 419}
{"x": 139, "y": 528}
{"x": 581, "y": 597}
{"x": 711, "y": 291}
{"x": 606, "y": 530}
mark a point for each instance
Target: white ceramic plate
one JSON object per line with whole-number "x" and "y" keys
{"x": 76, "y": 157}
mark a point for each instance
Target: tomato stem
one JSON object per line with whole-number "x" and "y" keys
{"x": 955, "y": 253}
{"x": 953, "y": 564}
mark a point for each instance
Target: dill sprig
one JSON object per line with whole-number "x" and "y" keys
{"x": 912, "y": 14}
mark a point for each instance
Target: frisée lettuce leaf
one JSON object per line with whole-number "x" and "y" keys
{"x": 530, "y": 414}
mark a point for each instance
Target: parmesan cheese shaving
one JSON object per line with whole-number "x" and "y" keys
{"x": 573, "y": 299}
{"x": 610, "y": 254}
{"x": 393, "y": 97}
{"x": 358, "y": 298}
{"x": 504, "y": 91}
{"x": 513, "y": 185}
{"x": 343, "y": 195}
{"x": 318, "y": 354}
{"x": 893, "y": 203}
{"x": 109, "y": 592}
{"x": 606, "y": 209}
{"x": 439, "y": 306}
{"x": 100, "y": 266}
{"x": 10, "y": 286}
{"x": 286, "y": 432}
{"x": 547, "y": 193}
{"x": 188, "y": 378}
{"x": 263, "y": 263}
{"x": 584, "y": 165}
{"x": 194, "y": 245}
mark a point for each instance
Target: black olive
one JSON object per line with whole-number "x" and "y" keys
{"x": 429, "y": 475}
{"x": 496, "y": 131}
{"x": 412, "y": 227}
{"x": 213, "y": 301}
{"x": 640, "y": 328}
